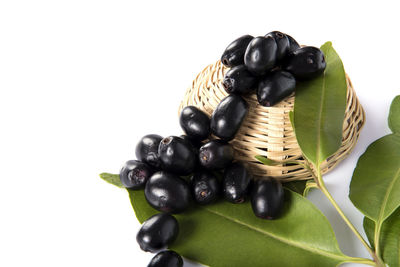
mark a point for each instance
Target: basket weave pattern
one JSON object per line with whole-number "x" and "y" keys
{"x": 267, "y": 130}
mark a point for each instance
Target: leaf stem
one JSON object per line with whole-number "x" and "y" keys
{"x": 378, "y": 227}
{"x": 362, "y": 261}
{"x": 310, "y": 184}
{"x": 328, "y": 195}
{"x": 319, "y": 183}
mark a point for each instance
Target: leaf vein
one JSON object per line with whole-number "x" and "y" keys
{"x": 320, "y": 120}
{"x": 283, "y": 240}
{"x": 386, "y": 198}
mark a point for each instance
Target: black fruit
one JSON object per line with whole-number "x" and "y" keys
{"x": 267, "y": 198}
{"x": 306, "y": 63}
{"x": 293, "y": 44}
{"x": 235, "y": 185}
{"x": 205, "y": 187}
{"x": 261, "y": 55}
{"x": 239, "y": 80}
{"x": 215, "y": 155}
{"x": 275, "y": 87}
{"x": 167, "y": 192}
{"x": 282, "y": 42}
{"x": 147, "y": 149}
{"x": 195, "y": 123}
{"x": 134, "y": 174}
{"x": 234, "y": 53}
{"x": 157, "y": 232}
{"x": 228, "y": 117}
{"x": 167, "y": 258}
{"x": 177, "y": 155}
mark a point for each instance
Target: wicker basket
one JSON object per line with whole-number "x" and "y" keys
{"x": 267, "y": 130}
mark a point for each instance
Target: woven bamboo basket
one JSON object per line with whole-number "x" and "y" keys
{"x": 267, "y": 130}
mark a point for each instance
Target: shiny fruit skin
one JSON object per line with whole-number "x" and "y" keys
{"x": 293, "y": 44}
{"x": 275, "y": 87}
{"x": 177, "y": 155}
{"x": 167, "y": 192}
{"x": 234, "y": 53}
{"x": 282, "y": 42}
{"x": 236, "y": 182}
{"x": 306, "y": 63}
{"x": 216, "y": 155}
{"x": 205, "y": 187}
{"x": 228, "y": 117}
{"x": 166, "y": 258}
{"x": 261, "y": 55}
{"x": 195, "y": 123}
{"x": 157, "y": 232}
{"x": 147, "y": 150}
{"x": 135, "y": 174}
{"x": 267, "y": 198}
{"x": 238, "y": 80}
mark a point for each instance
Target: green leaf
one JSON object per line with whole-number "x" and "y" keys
{"x": 112, "y": 179}
{"x": 291, "y": 118}
{"x": 369, "y": 227}
{"x": 375, "y": 186}
{"x": 319, "y": 110}
{"x": 225, "y": 234}
{"x": 389, "y": 239}
{"x": 271, "y": 162}
{"x": 296, "y": 186}
{"x": 267, "y": 161}
{"x": 394, "y": 115}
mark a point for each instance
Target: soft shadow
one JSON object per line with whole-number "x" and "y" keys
{"x": 187, "y": 227}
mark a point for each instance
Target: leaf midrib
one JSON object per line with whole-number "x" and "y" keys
{"x": 283, "y": 240}
{"x": 318, "y": 161}
{"x": 386, "y": 198}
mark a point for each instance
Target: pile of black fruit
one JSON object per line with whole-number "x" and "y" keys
{"x": 176, "y": 171}
{"x": 269, "y": 65}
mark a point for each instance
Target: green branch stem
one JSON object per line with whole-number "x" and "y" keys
{"x": 361, "y": 261}
{"x": 347, "y": 221}
{"x": 378, "y": 227}
{"x": 322, "y": 187}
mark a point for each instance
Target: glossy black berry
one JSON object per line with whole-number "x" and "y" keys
{"x": 157, "y": 232}
{"x": 166, "y": 258}
{"x": 275, "y": 87}
{"x": 195, "y": 123}
{"x": 306, "y": 63}
{"x": 261, "y": 55}
{"x": 167, "y": 192}
{"x": 282, "y": 42}
{"x": 177, "y": 155}
{"x": 205, "y": 187}
{"x": 267, "y": 198}
{"x": 134, "y": 174}
{"x": 215, "y": 155}
{"x": 147, "y": 150}
{"x": 234, "y": 53}
{"x": 228, "y": 117}
{"x": 236, "y": 182}
{"x": 293, "y": 44}
{"x": 238, "y": 80}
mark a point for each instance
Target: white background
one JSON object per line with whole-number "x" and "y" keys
{"x": 82, "y": 81}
